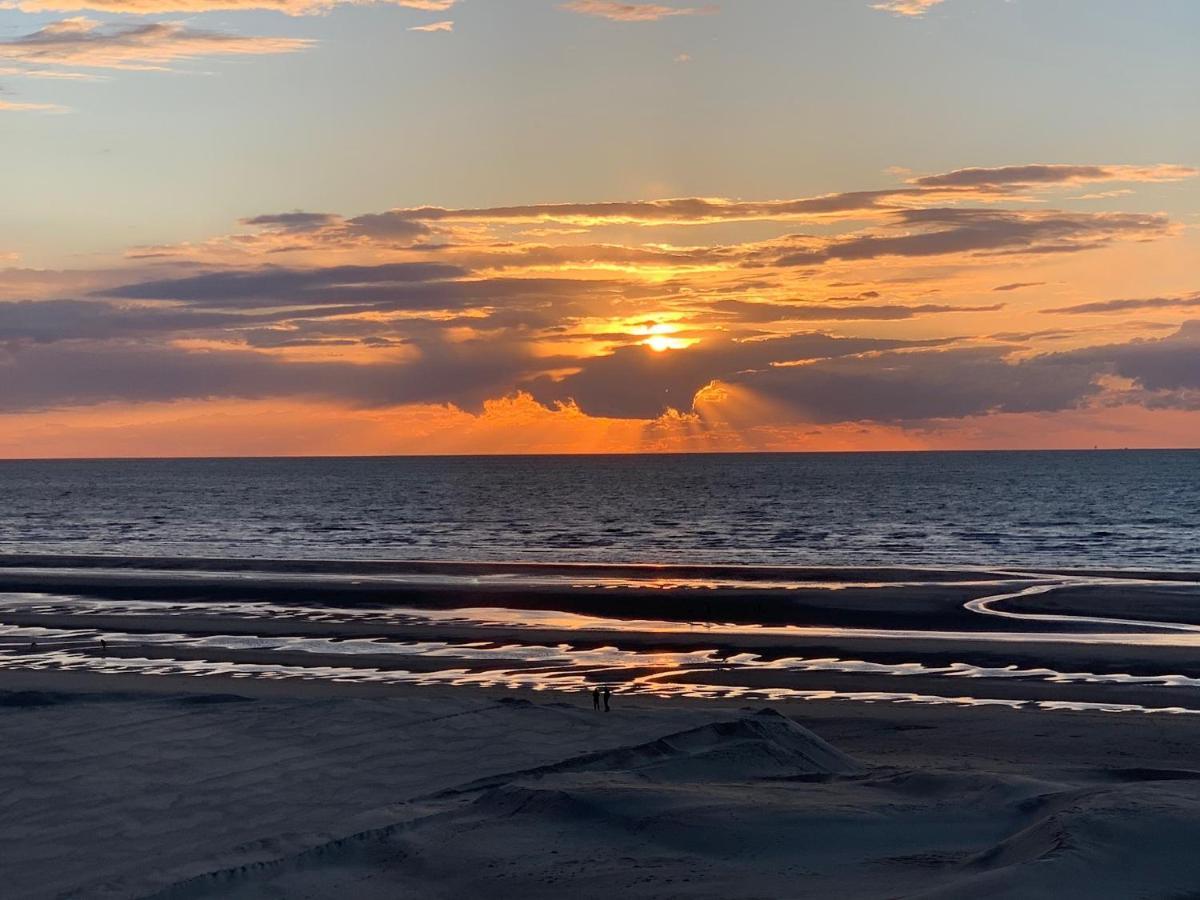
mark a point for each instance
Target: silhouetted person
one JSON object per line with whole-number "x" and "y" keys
{"x": 103, "y": 648}
{"x": 596, "y": 698}
{"x": 607, "y": 694}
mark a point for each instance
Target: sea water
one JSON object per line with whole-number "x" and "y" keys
{"x": 1107, "y": 508}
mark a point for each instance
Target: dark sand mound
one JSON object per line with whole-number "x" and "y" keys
{"x": 765, "y": 745}
{"x": 385, "y": 800}
{"x": 963, "y": 788}
{"x": 757, "y": 806}
{"x": 1119, "y": 842}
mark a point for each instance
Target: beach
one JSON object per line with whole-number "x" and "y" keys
{"x": 599, "y": 450}
{"x": 186, "y": 728}
{"x": 1114, "y": 639}
{"x": 137, "y": 787}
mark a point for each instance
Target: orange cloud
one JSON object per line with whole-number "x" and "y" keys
{"x": 444, "y": 330}
{"x": 1047, "y": 175}
{"x": 958, "y": 186}
{"x": 634, "y": 12}
{"x": 238, "y": 428}
{"x": 82, "y": 42}
{"x": 17, "y": 106}
{"x": 1109, "y": 307}
{"x": 907, "y": 7}
{"x": 447, "y": 25}
{"x": 516, "y": 425}
{"x": 152, "y": 7}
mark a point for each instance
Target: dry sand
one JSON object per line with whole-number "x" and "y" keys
{"x": 125, "y": 786}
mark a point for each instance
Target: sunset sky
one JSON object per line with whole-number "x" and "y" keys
{"x": 245, "y": 227}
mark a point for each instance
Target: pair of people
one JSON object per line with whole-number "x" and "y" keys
{"x": 598, "y": 694}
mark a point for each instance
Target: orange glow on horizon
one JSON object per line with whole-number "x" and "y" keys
{"x": 726, "y": 419}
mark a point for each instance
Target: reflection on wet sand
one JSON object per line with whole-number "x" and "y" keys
{"x": 562, "y": 650}
{"x": 560, "y": 681}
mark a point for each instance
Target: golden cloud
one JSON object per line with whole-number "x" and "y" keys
{"x": 153, "y": 7}
{"x": 17, "y": 106}
{"x": 86, "y": 43}
{"x": 447, "y": 25}
{"x": 634, "y": 12}
{"x": 907, "y": 7}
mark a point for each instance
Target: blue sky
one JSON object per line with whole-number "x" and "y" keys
{"x": 525, "y": 100}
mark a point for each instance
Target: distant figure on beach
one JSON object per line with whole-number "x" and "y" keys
{"x": 103, "y": 648}
{"x": 596, "y": 698}
{"x": 607, "y": 694}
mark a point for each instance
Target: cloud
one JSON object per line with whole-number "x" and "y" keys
{"x": 1118, "y": 306}
{"x": 155, "y": 7}
{"x": 435, "y": 305}
{"x": 935, "y": 232}
{"x": 48, "y": 376}
{"x": 921, "y": 385}
{"x": 274, "y": 286}
{"x": 297, "y": 221}
{"x": 1104, "y": 195}
{"x": 810, "y": 377}
{"x": 823, "y": 379}
{"x": 56, "y": 74}
{"x": 1054, "y": 175}
{"x": 961, "y": 185}
{"x": 819, "y": 378}
{"x": 447, "y": 25}
{"x": 683, "y": 210}
{"x": 1017, "y": 285}
{"x": 1162, "y": 364}
{"x": 637, "y": 382}
{"x": 51, "y": 321}
{"x": 18, "y": 106}
{"x": 907, "y": 7}
{"x": 82, "y": 42}
{"x": 686, "y": 210}
{"x": 634, "y": 12}
{"x": 331, "y": 229}
{"x": 749, "y": 311}
{"x": 916, "y": 385}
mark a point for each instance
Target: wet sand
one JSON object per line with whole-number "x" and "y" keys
{"x": 1151, "y": 603}
{"x": 855, "y": 600}
{"x": 762, "y": 634}
{"x": 278, "y": 729}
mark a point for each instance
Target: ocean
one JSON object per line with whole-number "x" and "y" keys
{"x": 1138, "y": 509}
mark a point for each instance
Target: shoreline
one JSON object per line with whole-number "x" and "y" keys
{"x": 985, "y": 635}
{"x": 386, "y": 566}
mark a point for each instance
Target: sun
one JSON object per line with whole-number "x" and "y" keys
{"x": 660, "y": 337}
{"x": 660, "y": 343}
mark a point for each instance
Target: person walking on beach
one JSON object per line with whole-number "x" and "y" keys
{"x": 596, "y": 698}
{"x": 607, "y": 694}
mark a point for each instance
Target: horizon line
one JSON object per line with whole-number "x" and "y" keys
{"x": 592, "y": 455}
